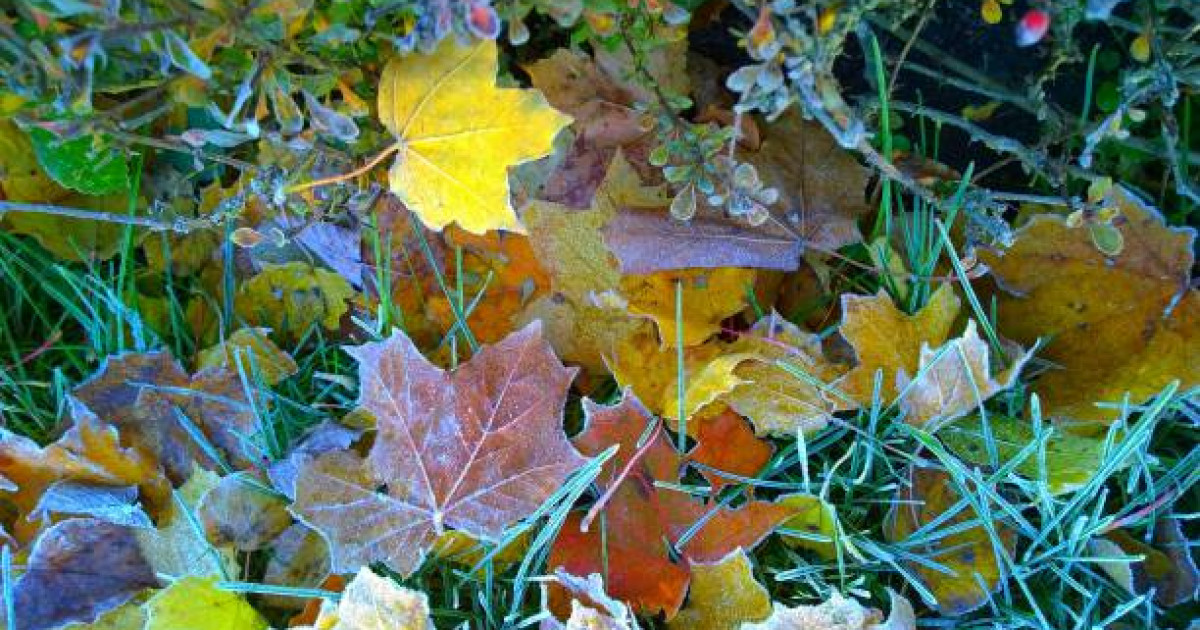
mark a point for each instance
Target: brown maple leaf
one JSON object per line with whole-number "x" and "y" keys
{"x": 475, "y": 450}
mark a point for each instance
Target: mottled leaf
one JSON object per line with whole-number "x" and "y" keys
{"x": 244, "y": 512}
{"x": 1116, "y": 325}
{"x": 723, "y": 595}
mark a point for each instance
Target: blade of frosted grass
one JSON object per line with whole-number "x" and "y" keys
{"x": 455, "y": 306}
{"x": 10, "y": 604}
{"x": 681, "y": 378}
{"x": 965, "y": 282}
{"x": 127, "y": 248}
{"x": 275, "y": 589}
{"x": 883, "y": 225}
{"x": 556, "y": 508}
{"x": 201, "y": 440}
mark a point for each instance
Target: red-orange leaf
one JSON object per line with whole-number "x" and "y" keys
{"x": 475, "y": 450}
{"x": 642, "y": 520}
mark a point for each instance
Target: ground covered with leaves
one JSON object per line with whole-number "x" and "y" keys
{"x": 594, "y": 314}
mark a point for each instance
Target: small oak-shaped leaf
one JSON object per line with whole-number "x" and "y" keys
{"x": 458, "y": 134}
{"x": 79, "y": 569}
{"x": 90, "y": 452}
{"x": 953, "y": 380}
{"x": 371, "y": 602}
{"x": 475, "y": 450}
{"x": 629, "y": 546}
{"x": 889, "y": 340}
{"x": 195, "y": 603}
{"x": 969, "y": 555}
{"x": 1129, "y": 323}
{"x": 723, "y": 595}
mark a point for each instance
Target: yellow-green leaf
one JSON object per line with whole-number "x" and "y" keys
{"x": 197, "y": 604}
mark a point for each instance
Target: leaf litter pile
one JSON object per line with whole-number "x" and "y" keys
{"x": 604, "y": 333}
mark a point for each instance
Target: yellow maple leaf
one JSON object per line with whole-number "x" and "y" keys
{"x": 889, "y": 340}
{"x": 458, "y": 134}
{"x": 723, "y": 595}
{"x": 1116, "y": 325}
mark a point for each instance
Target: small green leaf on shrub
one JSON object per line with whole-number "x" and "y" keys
{"x": 81, "y": 164}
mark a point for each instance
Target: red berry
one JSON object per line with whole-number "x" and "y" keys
{"x": 1032, "y": 27}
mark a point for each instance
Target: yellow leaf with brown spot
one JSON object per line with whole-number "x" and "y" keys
{"x": 293, "y": 297}
{"x": 723, "y": 595}
{"x": 458, "y": 133}
{"x": 1127, "y": 324}
{"x": 969, "y": 556}
{"x": 249, "y": 351}
{"x": 814, "y": 525}
{"x": 887, "y": 339}
{"x": 709, "y": 296}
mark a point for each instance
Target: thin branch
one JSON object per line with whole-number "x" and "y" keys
{"x": 179, "y": 225}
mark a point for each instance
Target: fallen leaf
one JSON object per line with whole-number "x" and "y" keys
{"x": 723, "y": 595}
{"x": 299, "y": 558}
{"x": 602, "y": 109}
{"x": 340, "y": 248}
{"x": 505, "y": 268}
{"x": 954, "y": 380}
{"x": 600, "y": 612}
{"x": 709, "y": 296}
{"x": 651, "y": 371}
{"x": 292, "y": 298}
{"x": 458, "y": 134}
{"x": 887, "y": 339}
{"x": 1128, "y": 324}
{"x": 1166, "y": 566}
{"x": 371, "y": 602}
{"x": 195, "y": 603}
{"x": 475, "y": 450}
{"x": 89, "y": 453}
{"x": 145, "y": 395}
{"x": 88, "y": 164}
{"x": 702, "y": 388}
{"x": 79, "y": 569}
{"x": 640, "y": 520}
{"x": 776, "y": 400}
{"x": 251, "y": 352}
{"x": 727, "y": 443}
{"x": 813, "y": 522}
{"x": 112, "y": 504}
{"x": 568, "y": 244}
{"x": 1071, "y": 460}
{"x": 822, "y": 186}
{"x": 178, "y": 548}
{"x": 835, "y": 613}
{"x": 243, "y": 512}
{"x": 969, "y": 556}
{"x": 651, "y": 241}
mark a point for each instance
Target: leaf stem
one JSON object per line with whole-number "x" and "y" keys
{"x": 325, "y": 181}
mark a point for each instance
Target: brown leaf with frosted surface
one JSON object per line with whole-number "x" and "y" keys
{"x": 139, "y": 393}
{"x": 78, "y": 570}
{"x": 1116, "y": 325}
{"x": 474, "y": 450}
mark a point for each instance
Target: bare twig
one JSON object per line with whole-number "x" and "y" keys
{"x": 179, "y": 225}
